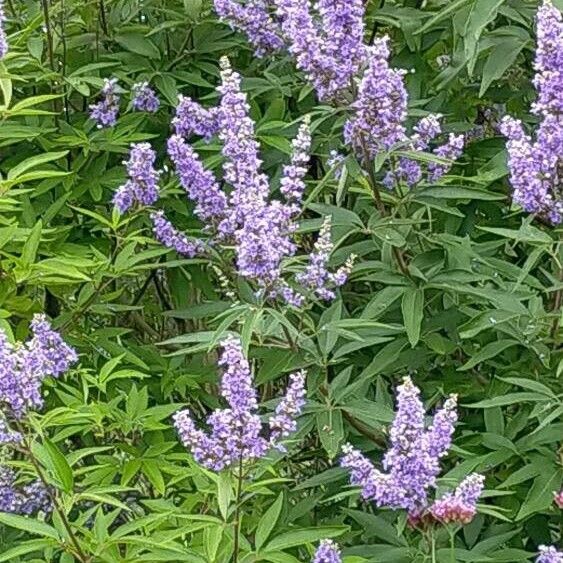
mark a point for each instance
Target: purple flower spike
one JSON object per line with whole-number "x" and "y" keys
{"x": 235, "y": 432}
{"x": 549, "y": 555}
{"x": 284, "y": 422}
{"x": 193, "y": 119}
{"x": 316, "y": 276}
{"x": 24, "y": 367}
{"x": 170, "y": 237}
{"x": 327, "y": 552}
{"x": 145, "y": 98}
{"x": 535, "y": 165}
{"x": 381, "y": 106}
{"x": 25, "y": 500}
{"x": 292, "y": 183}
{"x": 329, "y": 49}
{"x": 3, "y": 39}
{"x": 451, "y": 150}
{"x": 142, "y": 186}
{"x": 412, "y": 462}
{"x": 200, "y": 184}
{"x": 253, "y": 19}
{"x": 459, "y": 506}
{"x": 104, "y": 113}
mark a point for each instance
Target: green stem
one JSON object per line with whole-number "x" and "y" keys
{"x": 50, "y": 53}
{"x": 77, "y": 548}
{"x": 236, "y": 547}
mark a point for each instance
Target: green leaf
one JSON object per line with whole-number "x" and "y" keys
{"x": 508, "y": 399}
{"x": 540, "y": 495}
{"x": 412, "y": 307}
{"x": 60, "y": 466}
{"x": 304, "y": 536}
{"x": 29, "y": 252}
{"x": 29, "y": 525}
{"x": 268, "y": 522}
{"x": 139, "y": 44}
{"x": 331, "y": 431}
{"x": 488, "y": 351}
{"x": 24, "y": 548}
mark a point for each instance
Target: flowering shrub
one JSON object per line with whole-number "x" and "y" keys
{"x": 281, "y": 281}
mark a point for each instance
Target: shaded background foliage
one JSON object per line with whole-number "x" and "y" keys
{"x": 477, "y": 313}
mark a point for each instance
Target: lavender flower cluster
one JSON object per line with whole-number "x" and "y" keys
{"x": 536, "y": 166}
{"x": 327, "y": 43}
{"x": 3, "y": 39}
{"x": 259, "y": 227}
{"x": 378, "y": 122}
{"x": 24, "y": 366}
{"x": 327, "y": 552}
{"x": 142, "y": 186}
{"x": 412, "y": 463}
{"x": 329, "y": 48}
{"x": 105, "y": 112}
{"x": 235, "y": 434}
{"x": 255, "y": 20}
{"x": 316, "y": 276}
{"x": 22, "y": 499}
{"x": 144, "y": 98}
{"x": 549, "y": 554}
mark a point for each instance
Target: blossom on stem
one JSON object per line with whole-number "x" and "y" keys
{"x": 27, "y": 499}
{"x": 460, "y": 506}
{"x": 381, "y": 106}
{"x": 23, "y": 367}
{"x": 235, "y": 432}
{"x": 535, "y": 165}
{"x": 142, "y": 186}
{"x": 328, "y": 49}
{"x": 193, "y": 119}
{"x": 284, "y": 423}
{"x": 549, "y": 554}
{"x": 450, "y": 150}
{"x": 200, "y": 184}
{"x": 253, "y": 19}
{"x": 292, "y": 183}
{"x": 558, "y": 498}
{"x": 170, "y": 237}
{"x": 105, "y": 112}
{"x": 241, "y": 152}
{"x": 412, "y": 462}
{"x": 3, "y": 39}
{"x": 145, "y": 98}
{"x": 316, "y": 276}
{"x": 327, "y": 552}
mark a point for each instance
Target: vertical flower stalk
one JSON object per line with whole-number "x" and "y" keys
{"x": 549, "y": 554}
{"x": 142, "y": 185}
{"x": 105, "y": 112}
{"x": 316, "y": 277}
{"x": 381, "y": 106}
{"x": 235, "y": 436}
{"x": 253, "y": 19}
{"x": 3, "y": 38}
{"x": 328, "y": 49}
{"x": 412, "y": 463}
{"x": 536, "y": 165}
{"x": 327, "y": 552}
{"x": 144, "y": 98}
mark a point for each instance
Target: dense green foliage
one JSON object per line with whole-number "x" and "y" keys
{"x": 452, "y": 285}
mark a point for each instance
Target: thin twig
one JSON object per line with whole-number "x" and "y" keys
{"x": 79, "y": 553}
